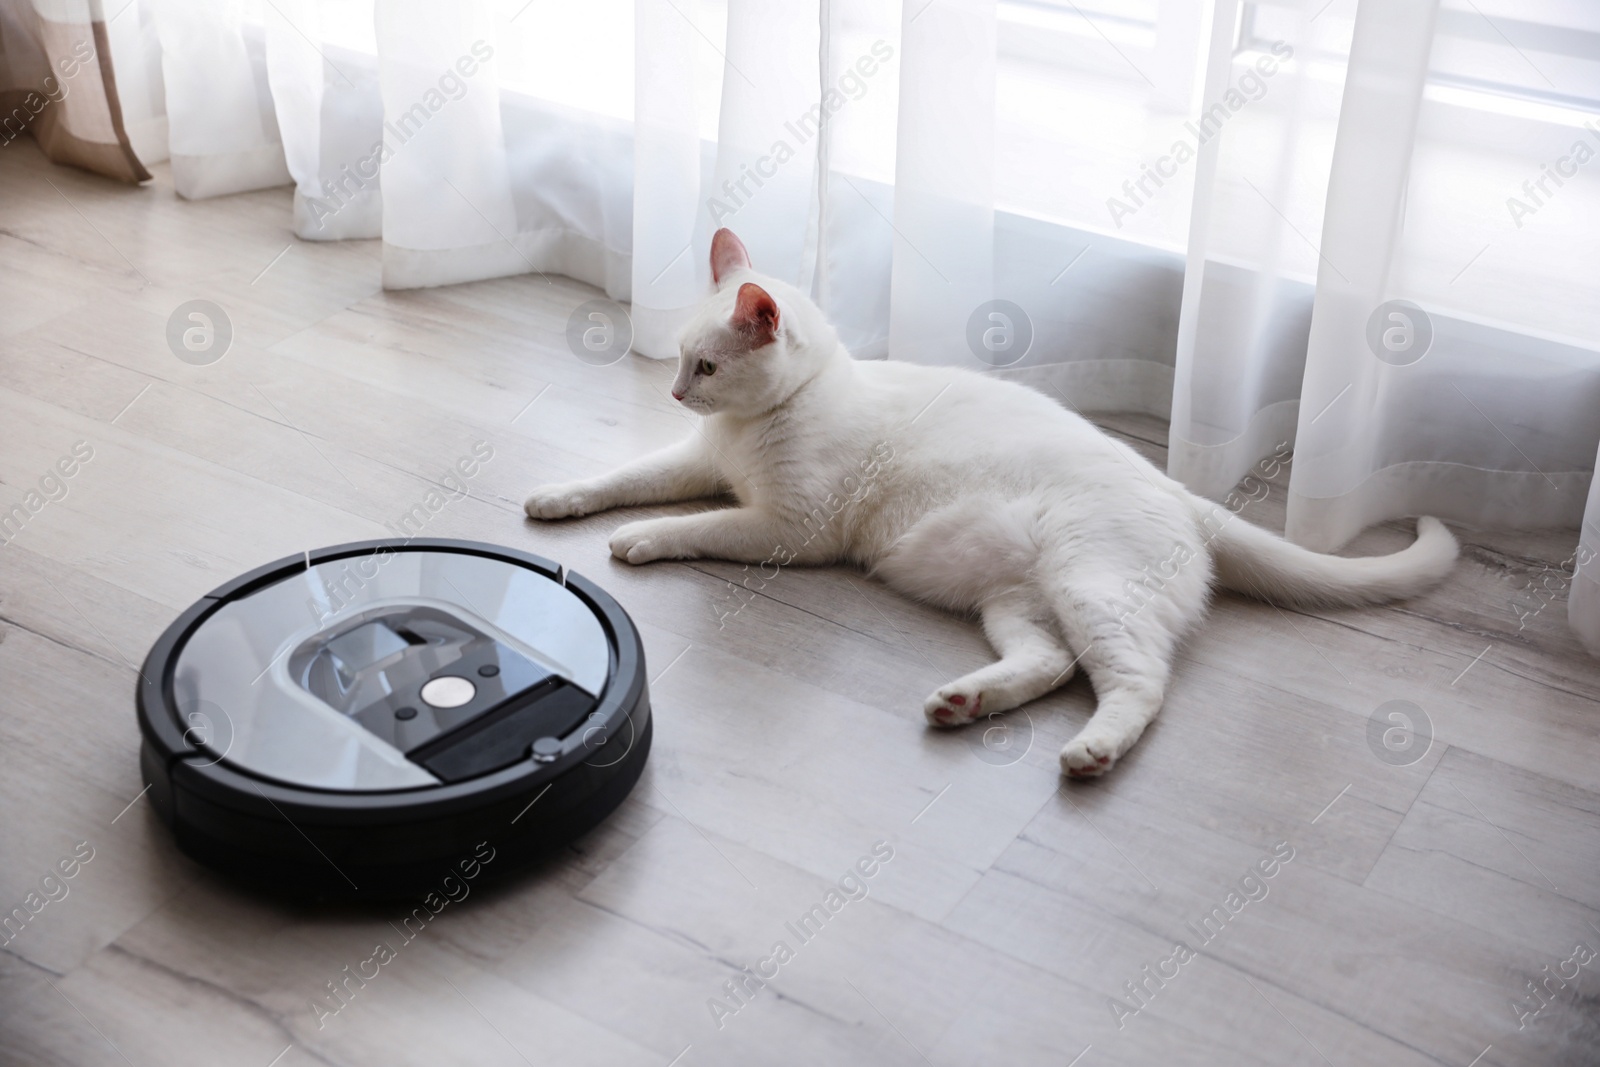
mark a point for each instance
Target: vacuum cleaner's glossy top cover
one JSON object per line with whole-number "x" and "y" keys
{"x": 349, "y": 674}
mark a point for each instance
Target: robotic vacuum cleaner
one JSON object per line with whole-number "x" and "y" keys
{"x": 359, "y": 721}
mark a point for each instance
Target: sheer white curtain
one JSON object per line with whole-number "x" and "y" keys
{"x": 758, "y": 168}
{"x": 222, "y": 126}
{"x": 449, "y": 131}
{"x": 1359, "y": 228}
{"x": 1360, "y": 284}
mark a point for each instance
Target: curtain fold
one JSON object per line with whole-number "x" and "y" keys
{"x": 771, "y": 129}
{"x": 448, "y": 210}
{"x": 944, "y": 188}
{"x": 1247, "y": 290}
{"x": 330, "y": 110}
{"x": 1346, "y": 384}
{"x": 57, "y": 83}
{"x": 669, "y": 169}
{"x": 860, "y": 61}
{"x": 222, "y": 128}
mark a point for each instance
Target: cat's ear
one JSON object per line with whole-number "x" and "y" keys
{"x": 728, "y": 254}
{"x": 755, "y": 315}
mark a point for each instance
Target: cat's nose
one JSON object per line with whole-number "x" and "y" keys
{"x": 677, "y": 395}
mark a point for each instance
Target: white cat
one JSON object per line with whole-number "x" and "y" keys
{"x": 1071, "y": 546}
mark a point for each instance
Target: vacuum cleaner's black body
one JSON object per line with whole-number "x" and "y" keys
{"x": 367, "y": 720}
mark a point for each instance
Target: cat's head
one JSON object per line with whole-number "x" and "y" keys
{"x": 752, "y": 343}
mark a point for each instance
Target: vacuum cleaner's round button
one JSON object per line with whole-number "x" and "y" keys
{"x": 545, "y": 750}
{"x": 488, "y": 670}
{"x": 448, "y": 691}
{"x": 405, "y": 713}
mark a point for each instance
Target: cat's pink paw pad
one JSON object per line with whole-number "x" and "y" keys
{"x": 1087, "y": 759}
{"x": 947, "y": 708}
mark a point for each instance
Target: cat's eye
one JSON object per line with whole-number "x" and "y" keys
{"x": 705, "y": 366}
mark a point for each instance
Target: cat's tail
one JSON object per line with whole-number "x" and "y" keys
{"x": 1252, "y": 561}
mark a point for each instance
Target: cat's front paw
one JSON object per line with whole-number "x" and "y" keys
{"x": 566, "y": 501}
{"x": 641, "y": 542}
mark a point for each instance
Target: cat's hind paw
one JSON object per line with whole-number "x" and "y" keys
{"x": 954, "y": 705}
{"x": 1089, "y": 755}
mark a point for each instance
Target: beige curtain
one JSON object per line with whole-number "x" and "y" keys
{"x": 56, "y": 84}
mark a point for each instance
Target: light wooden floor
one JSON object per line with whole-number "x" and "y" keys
{"x": 1419, "y": 902}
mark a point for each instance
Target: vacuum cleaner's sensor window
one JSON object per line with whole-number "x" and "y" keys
{"x": 390, "y": 705}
